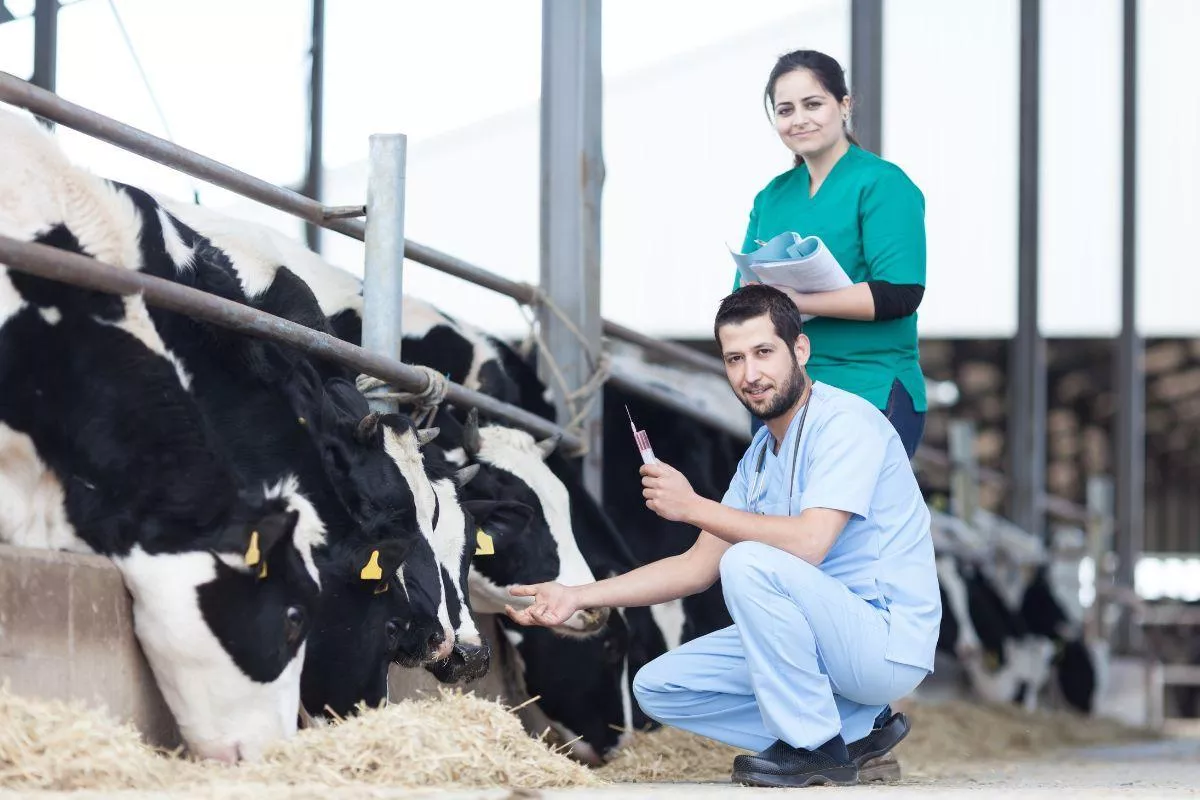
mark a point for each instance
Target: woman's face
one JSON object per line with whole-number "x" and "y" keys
{"x": 807, "y": 118}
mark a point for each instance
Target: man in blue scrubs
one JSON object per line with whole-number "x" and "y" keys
{"x": 823, "y": 547}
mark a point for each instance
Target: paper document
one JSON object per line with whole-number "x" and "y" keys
{"x": 802, "y": 263}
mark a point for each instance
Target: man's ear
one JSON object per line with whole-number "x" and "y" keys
{"x": 803, "y": 349}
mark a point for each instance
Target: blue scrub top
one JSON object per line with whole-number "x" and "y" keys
{"x": 851, "y": 459}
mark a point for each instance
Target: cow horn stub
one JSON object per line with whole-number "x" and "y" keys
{"x": 549, "y": 445}
{"x": 464, "y": 475}
{"x": 471, "y": 442}
{"x": 427, "y": 435}
{"x": 365, "y": 432}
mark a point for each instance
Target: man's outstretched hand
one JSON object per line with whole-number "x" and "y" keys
{"x": 552, "y": 604}
{"x": 668, "y": 493}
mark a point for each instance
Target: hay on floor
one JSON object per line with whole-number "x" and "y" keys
{"x": 450, "y": 740}
{"x": 946, "y": 739}
{"x": 669, "y": 754}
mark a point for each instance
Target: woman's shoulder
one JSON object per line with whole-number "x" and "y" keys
{"x": 781, "y": 183}
{"x": 876, "y": 172}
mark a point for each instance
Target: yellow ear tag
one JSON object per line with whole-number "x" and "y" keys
{"x": 483, "y": 544}
{"x": 262, "y": 573}
{"x": 252, "y": 554}
{"x": 372, "y": 571}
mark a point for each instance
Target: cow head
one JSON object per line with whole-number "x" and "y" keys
{"x": 455, "y": 542}
{"x": 224, "y": 627}
{"x": 583, "y": 684}
{"x": 525, "y": 509}
{"x": 358, "y": 627}
{"x": 375, "y": 462}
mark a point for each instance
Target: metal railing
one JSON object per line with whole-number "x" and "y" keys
{"x": 52, "y": 107}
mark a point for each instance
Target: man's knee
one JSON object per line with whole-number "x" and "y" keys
{"x": 651, "y": 683}
{"x": 745, "y": 559}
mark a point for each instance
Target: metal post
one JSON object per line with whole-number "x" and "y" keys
{"x": 964, "y": 472}
{"x": 1130, "y": 382}
{"x": 1027, "y": 376}
{"x": 572, "y": 176}
{"x": 313, "y": 177}
{"x": 1099, "y": 547}
{"x": 45, "y": 44}
{"x": 866, "y": 72}
{"x": 383, "y": 276}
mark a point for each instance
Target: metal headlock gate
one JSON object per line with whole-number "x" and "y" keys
{"x": 383, "y": 236}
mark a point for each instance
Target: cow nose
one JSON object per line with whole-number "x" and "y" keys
{"x": 439, "y": 646}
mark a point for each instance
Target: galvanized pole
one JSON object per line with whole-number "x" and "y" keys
{"x": 45, "y": 44}
{"x": 1027, "y": 363}
{"x": 383, "y": 276}
{"x": 313, "y": 177}
{"x": 866, "y": 72}
{"x": 572, "y": 169}
{"x": 1130, "y": 382}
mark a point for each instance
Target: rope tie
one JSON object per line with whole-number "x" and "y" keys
{"x": 579, "y": 402}
{"x": 424, "y": 403}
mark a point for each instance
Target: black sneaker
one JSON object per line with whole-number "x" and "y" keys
{"x": 888, "y": 732}
{"x": 784, "y": 765}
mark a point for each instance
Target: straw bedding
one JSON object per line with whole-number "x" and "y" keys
{"x": 454, "y": 740}
{"x": 451, "y": 740}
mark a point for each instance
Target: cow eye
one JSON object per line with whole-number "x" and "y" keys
{"x": 293, "y": 625}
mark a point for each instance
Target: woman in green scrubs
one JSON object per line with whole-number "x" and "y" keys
{"x": 871, "y": 217}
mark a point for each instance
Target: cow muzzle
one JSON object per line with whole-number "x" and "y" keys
{"x": 587, "y": 621}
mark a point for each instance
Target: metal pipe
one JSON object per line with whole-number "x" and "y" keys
{"x": 45, "y": 44}
{"x": 1130, "y": 378}
{"x": 60, "y": 265}
{"x": 383, "y": 271}
{"x": 1027, "y": 365}
{"x": 572, "y": 178}
{"x": 673, "y": 352}
{"x": 866, "y": 72}
{"x": 314, "y": 174}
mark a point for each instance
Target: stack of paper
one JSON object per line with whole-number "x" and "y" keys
{"x": 798, "y": 262}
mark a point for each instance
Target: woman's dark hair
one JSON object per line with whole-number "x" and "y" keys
{"x": 825, "y": 69}
{"x": 755, "y": 300}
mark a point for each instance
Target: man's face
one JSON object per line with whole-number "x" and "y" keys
{"x": 765, "y": 374}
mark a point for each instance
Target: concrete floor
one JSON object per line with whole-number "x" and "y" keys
{"x": 1169, "y": 768}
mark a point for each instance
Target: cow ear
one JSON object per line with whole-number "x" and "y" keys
{"x": 367, "y": 428}
{"x": 258, "y": 540}
{"x": 374, "y": 565}
{"x": 505, "y": 517}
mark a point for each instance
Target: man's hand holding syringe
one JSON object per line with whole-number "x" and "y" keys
{"x": 668, "y": 494}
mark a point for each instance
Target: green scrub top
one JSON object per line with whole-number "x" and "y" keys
{"x": 871, "y": 216}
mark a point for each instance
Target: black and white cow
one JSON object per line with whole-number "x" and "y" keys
{"x": 104, "y": 450}
{"x": 262, "y": 260}
{"x": 269, "y": 413}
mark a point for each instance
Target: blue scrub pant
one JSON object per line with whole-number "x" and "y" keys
{"x": 803, "y": 661}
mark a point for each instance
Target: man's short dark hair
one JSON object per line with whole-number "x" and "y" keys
{"x": 755, "y": 300}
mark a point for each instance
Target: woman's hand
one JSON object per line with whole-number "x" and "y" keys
{"x": 552, "y": 604}
{"x": 668, "y": 492}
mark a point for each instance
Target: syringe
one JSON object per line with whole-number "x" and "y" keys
{"x": 642, "y": 441}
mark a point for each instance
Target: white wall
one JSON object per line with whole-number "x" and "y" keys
{"x": 686, "y": 142}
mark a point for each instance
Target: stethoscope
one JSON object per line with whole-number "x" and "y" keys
{"x": 757, "y": 486}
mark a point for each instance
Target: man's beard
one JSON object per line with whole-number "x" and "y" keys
{"x": 785, "y": 396}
